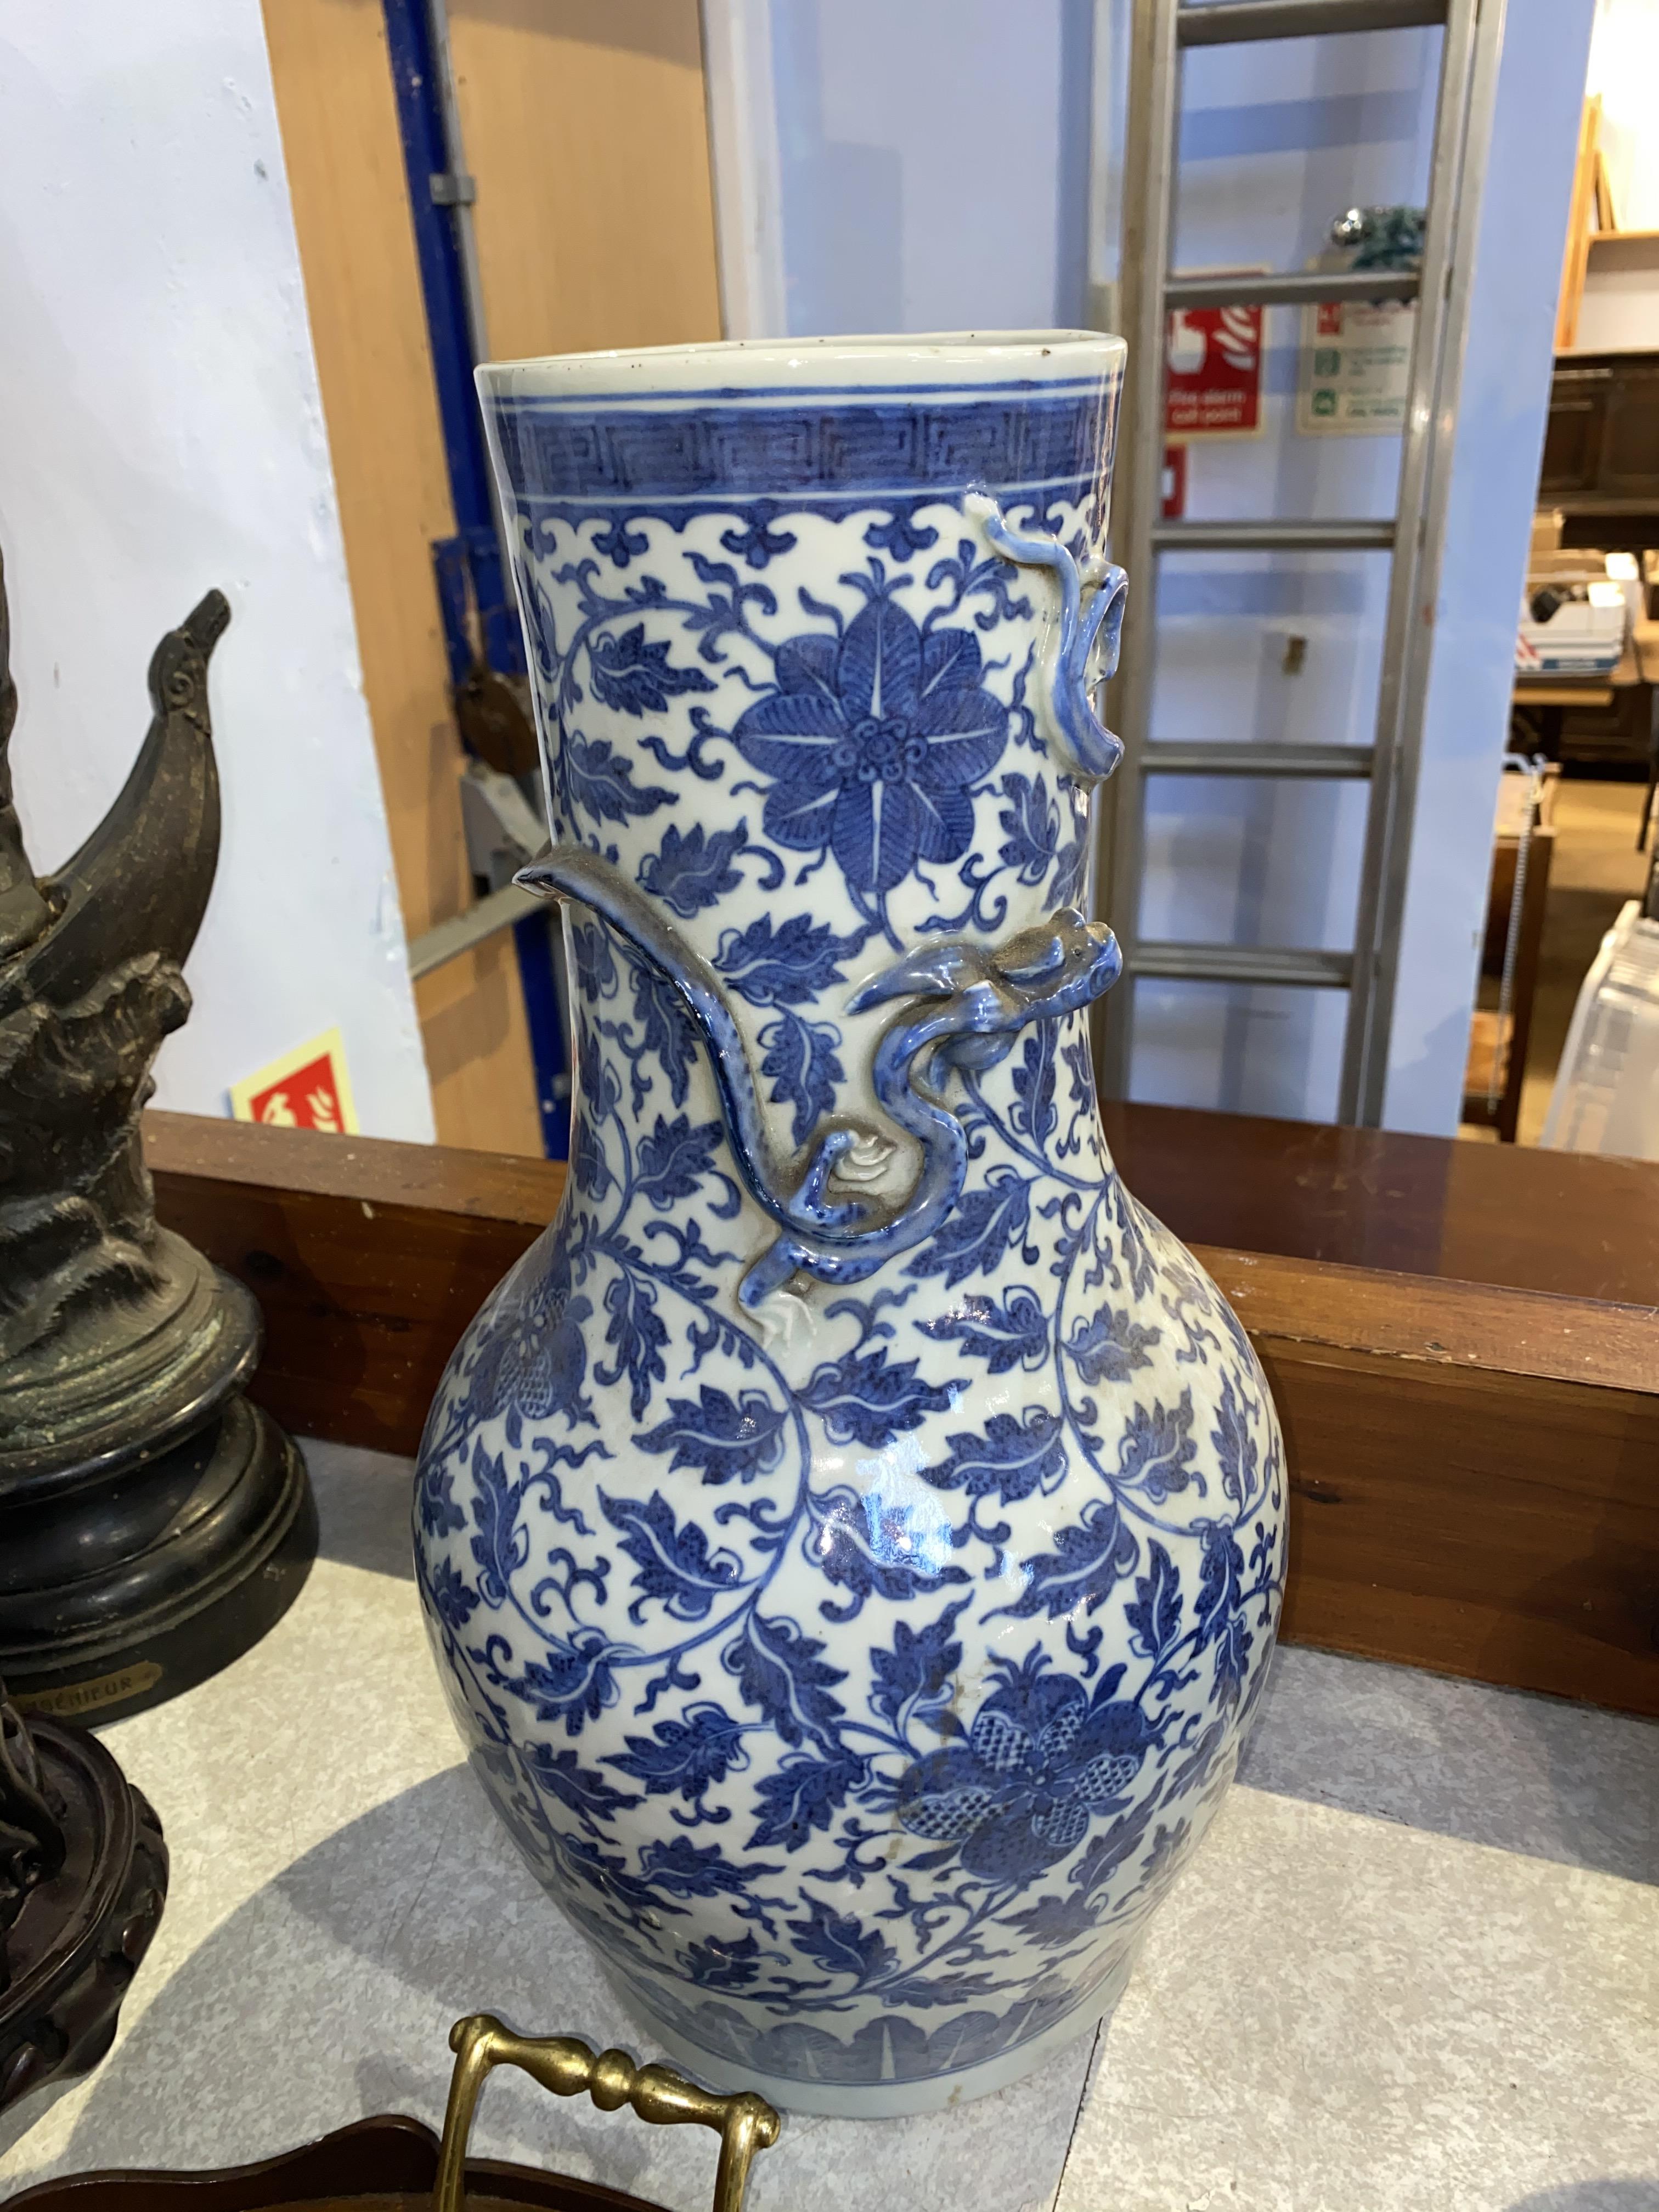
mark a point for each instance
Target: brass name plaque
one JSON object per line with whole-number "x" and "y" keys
{"x": 70, "y": 1699}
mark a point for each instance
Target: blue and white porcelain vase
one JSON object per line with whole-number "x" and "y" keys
{"x": 852, "y": 1538}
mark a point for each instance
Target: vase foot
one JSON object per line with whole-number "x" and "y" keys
{"x": 898, "y": 2096}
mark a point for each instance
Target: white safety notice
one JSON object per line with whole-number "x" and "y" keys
{"x": 1356, "y": 367}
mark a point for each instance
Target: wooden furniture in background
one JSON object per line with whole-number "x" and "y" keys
{"x": 1612, "y": 720}
{"x": 1545, "y": 702}
{"x": 1605, "y": 213}
{"x": 1496, "y": 1066}
{"x": 1472, "y": 1462}
{"x": 1581, "y": 224}
{"x": 1601, "y": 438}
{"x": 1598, "y": 249}
{"x": 584, "y": 131}
{"x": 1647, "y": 654}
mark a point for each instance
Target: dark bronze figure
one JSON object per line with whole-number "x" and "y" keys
{"x": 153, "y": 1523}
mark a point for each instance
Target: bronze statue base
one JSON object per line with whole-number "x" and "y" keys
{"x": 118, "y": 1591}
{"x": 66, "y": 1959}
{"x": 118, "y": 1377}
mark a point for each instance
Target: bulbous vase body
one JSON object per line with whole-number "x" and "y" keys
{"x": 852, "y": 1538}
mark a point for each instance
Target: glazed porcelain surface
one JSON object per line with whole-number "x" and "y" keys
{"x": 852, "y": 1537}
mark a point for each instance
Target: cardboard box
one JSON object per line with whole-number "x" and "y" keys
{"x": 1583, "y": 564}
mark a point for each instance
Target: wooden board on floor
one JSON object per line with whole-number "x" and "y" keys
{"x": 1472, "y": 1466}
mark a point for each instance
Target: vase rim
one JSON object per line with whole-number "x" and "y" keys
{"x": 883, "y": 362}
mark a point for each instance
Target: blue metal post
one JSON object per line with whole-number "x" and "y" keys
{"x": 533, "y": 940}
{"x": 473, "y": 555}
{"x": 449, "y": 572}
{"x": 419, "y": 119}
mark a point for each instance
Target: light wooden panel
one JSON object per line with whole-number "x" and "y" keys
{"x": 345, "y": 171}
{"x": 472, "y": 1024}
{"x": 1581, "y": 221}
{"x": 586, "y": 129}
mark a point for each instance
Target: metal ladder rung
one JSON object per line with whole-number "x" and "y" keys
{"x": 1299, "y": 288}
{"x": 1241, "y": 963}
{"x": 1268, "y": 536}
{"x": 1411, "y": 536}
{"x": 1232, "y": 21}
{"x": 1174, "y": 758}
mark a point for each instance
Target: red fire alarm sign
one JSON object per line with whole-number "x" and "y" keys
{"x": 1213, "y": 386}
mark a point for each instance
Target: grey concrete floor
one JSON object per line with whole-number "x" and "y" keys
{"x": 1416, "y": 1964}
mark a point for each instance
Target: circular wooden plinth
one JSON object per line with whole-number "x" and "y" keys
{"x": 77, "y": 1944}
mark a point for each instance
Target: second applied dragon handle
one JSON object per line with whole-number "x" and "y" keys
{"x": 967, "y": 1003}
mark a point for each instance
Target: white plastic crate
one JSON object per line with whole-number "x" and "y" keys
{"x": 1584, "y": 635}
{"x": 1605, "y": 1097}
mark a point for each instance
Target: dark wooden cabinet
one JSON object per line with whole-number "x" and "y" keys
{"x": 1629, "y": 466}
{"x": 1572, "y": 435}
{"x": 1601, "y": 442}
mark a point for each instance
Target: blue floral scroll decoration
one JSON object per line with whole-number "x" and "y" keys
{"x": 875, "y": 737}
{"x": 983, "y": 999}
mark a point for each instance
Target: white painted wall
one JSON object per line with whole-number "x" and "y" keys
{"x": 934, "y": 164}
{"x": 161, "y": 432}
{"x": 1619, "y": 307}
{"x": 1624, "y": 69}
{"x": 932, "y": 155}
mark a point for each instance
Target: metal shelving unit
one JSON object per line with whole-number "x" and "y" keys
{"x": 1411, "y": 536}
